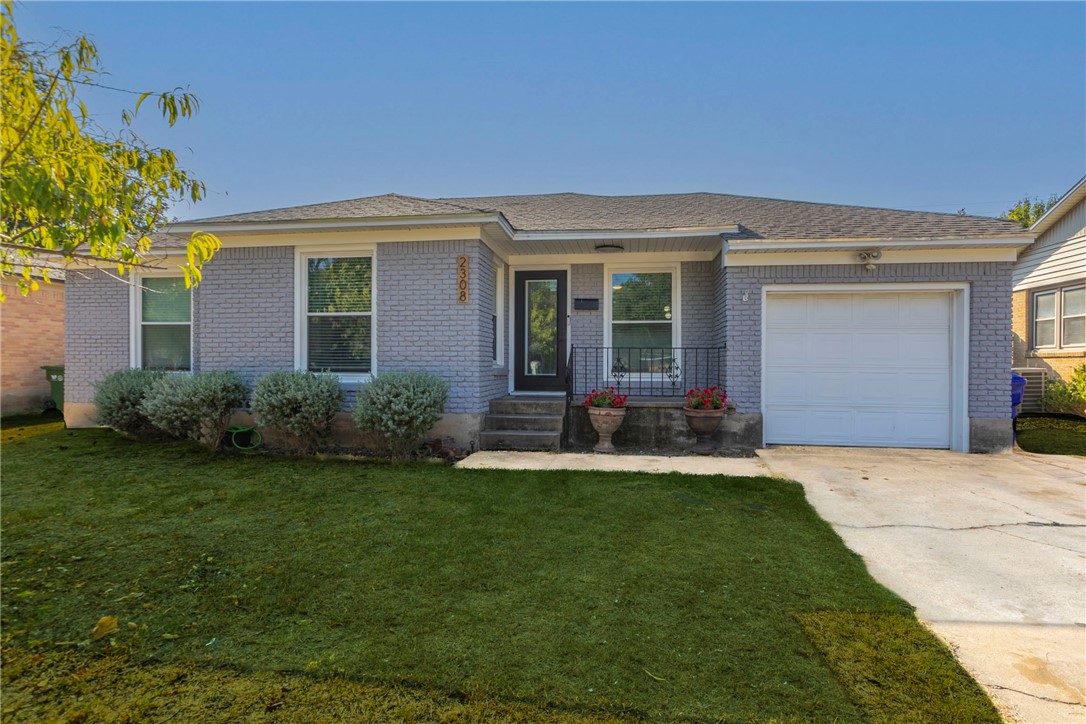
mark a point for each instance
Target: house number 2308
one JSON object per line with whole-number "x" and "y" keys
{"x": 462, "y": 280}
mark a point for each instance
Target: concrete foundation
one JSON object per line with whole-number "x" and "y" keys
{"x": 659, "y": 425}
{"x": 990, "y": 435}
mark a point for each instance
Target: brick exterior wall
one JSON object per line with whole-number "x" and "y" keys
{"x": 96, "y": 328}
{"x": 989, "y": 322}
{"x": 586, "y": 325}
{"x": 243, "y": 312}
{"x": 420, "y": 325}
{"x": 31, "y": 335}
{"x": 697, "y": 303}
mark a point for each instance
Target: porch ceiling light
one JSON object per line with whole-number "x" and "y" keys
{"x": 610, "y": 248}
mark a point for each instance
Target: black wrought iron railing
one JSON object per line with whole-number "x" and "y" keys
{"x": 644, "y": 371}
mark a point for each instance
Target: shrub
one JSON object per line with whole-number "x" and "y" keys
{"x": 401, "y": 407}
{"x": 118, "y": 399}
{"x": 1070, "y": 396}
{"x": 196, "y": 406}
{"x": 300, "y": 403}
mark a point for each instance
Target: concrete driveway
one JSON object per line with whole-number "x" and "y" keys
{"x": 991, "y": 549}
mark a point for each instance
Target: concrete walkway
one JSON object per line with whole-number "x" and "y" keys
{"x": 991, "y": 549}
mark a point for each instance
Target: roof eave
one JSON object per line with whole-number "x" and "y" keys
{"x": 1050, "y": 217}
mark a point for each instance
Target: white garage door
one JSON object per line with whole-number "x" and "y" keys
{"x": 858, "y": 369}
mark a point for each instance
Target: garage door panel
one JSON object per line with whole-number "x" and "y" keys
{"x": 876, "y": 348}
{"x": 928, "y": 348}
{"x": 858, "y": 369}
{"x": 828, "y": 348}
{"x": 789, "y": 311}
{"x": 829, "y": 311}
{"x": 926, "y": 310}
{"x": 828, "y": 388}
{"x": 787, "y": 347}
{"x": 877, "y": 312}
{"x": 876, "y": 387}
{"x": 790, "y": 389}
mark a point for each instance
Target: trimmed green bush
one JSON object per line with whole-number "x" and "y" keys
{"x": 118, "y": 398}
{"x": 1068, "y": 397}
{"x": 300, "y": 403}
{"x": 196, "y": 406}
{"x": 401, "y": 407}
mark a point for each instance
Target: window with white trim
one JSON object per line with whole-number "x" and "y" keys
{"x": 337, "y": 333}
{"x": 164, "y": 330}
{"x": 642, "y": 319}
{"x": 1059, "y": 318}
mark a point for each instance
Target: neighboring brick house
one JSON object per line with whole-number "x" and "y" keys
{"x": 31, "y": 335}
{"x": 827, "y": 324}
{"x": 1049, "y": 295}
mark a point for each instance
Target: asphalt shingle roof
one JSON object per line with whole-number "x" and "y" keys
{"x": 758, "y": 218}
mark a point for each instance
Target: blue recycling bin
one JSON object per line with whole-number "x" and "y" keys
{"x": 1018, "y": 391}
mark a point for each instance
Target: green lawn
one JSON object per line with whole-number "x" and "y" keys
{"x": 1052, "y": 435}
{"x": 658, "y": 596}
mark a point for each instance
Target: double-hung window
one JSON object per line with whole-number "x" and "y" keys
{"x": 1059, "y": 318}
{"x": 163, "y": 329}
{"x": 337, "y": 319}
{"x": 643, "y": 320}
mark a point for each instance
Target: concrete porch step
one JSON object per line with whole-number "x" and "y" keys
{"x": 519, "y": 421}
{"x": 528, "y": 406}
{"x": 550, "y": 440}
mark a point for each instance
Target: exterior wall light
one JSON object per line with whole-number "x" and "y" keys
{"x": 868, "y": 258}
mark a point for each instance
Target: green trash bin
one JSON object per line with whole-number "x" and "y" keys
{"x": 55, "y": 375}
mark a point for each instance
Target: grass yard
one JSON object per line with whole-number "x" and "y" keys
{"x": 1052, "y": 435}
{"x": 327, "y": 589}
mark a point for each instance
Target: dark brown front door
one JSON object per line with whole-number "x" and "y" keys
{"x": 539, "y": 349}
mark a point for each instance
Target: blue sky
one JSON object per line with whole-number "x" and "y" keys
{"x": 905, "y": 105}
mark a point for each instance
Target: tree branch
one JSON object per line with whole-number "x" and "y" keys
{"x": 26, "y": 131}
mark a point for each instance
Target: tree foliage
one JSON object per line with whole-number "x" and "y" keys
{"x": 1027, "y": 210}
{"x": 74, "y": 190}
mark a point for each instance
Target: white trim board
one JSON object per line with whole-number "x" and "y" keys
{"x": 959, "y": 340}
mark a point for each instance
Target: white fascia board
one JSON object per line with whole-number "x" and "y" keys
{"x": 753, "y": 245}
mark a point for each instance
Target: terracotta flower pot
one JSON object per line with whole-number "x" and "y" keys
{"x": 703, "y": 423}
{"x": 606, "y": 420}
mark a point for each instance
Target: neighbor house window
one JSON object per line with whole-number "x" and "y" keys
{"x": 642, "y": 320}
{"x": 1059, "y": 318}
{"x": 165, "y": 324}
{"x": 338, "y": 319}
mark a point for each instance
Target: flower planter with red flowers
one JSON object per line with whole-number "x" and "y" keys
{"x": 703, "y": 411}
{"x": 606, "y": 410}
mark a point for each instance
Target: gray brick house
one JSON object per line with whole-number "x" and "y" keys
{"x": 827, "y": 324}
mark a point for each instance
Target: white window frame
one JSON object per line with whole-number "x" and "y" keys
{"x": 499, "y": 306}
{"x": 301, "y": 308}
{"x": 676, "y": 309}
{"x": 1058, "y": 293}
{"x": 135, "y": 319}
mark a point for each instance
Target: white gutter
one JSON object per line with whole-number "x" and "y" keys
{"x": 755, "y": 245}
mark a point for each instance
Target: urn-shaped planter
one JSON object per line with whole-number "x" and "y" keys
{"x": 606, "y": 420}
{"x": 703, "y": 423}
